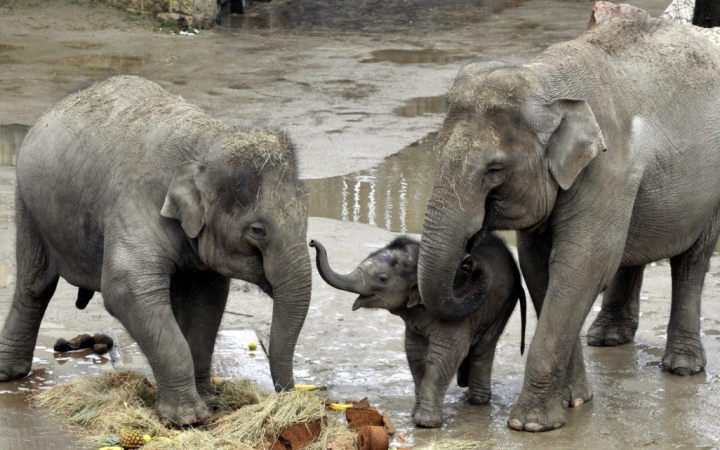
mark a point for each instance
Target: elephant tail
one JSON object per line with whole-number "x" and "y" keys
{"x": 523, "y": 318}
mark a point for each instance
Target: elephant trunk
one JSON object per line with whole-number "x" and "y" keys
{"x": 351, "y": 282}
{"x": 446, "y": 232}
{"x": 291, "y": 300}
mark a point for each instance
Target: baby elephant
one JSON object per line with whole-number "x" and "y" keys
{"x": 437, "y": 349}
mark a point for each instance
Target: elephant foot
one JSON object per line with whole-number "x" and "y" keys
{"x": 182, "y": 413}
{"x": 479, "y": 397}
{"x": 609, "y": 330}
{"x": 208, "y": 395}
{"x": 684, "y": 358}
{"x": 427, "y": 419}
{"x": 12, "y": 368}
{"x": 579, "y": 390}
{"x": 535, "y": 415}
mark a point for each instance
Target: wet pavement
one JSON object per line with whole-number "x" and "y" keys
{"x": 360, "y": 88}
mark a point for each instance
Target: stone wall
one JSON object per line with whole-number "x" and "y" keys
{"x": 199, "y": 13}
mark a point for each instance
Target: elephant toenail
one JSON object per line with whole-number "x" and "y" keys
{"x": 533, "y": 427}
{"x": 515, "y": 424}
{"x": 682, "y": 371}
{"x": 578, "y": 402}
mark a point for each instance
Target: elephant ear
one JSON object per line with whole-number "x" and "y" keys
{"x": 576, "y": 140}
{"x": 184, "y": 200}
{"x": 414, "y": 298}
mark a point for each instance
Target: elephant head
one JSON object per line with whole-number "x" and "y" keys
{"x": 505, "y": 149}
{"x": 244, "y": 210}
{"x": 386, "y": 279}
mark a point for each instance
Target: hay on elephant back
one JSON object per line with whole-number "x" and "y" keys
{"x": 100, "y": 407}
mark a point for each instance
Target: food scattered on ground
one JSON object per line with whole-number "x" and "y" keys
{"x": 104, "y": 408}
{"x": 372, "y": 438}
{"x": 305, "y": 387}
{"x": 131, "y": 440}
{"x": 360, "y": 416}
{"x": 340, "y": 406}
{"x": 252, "y": 346}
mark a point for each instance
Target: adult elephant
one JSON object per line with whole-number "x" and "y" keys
{"x": 128, "y": 190}
{"x": 604, "y": 153}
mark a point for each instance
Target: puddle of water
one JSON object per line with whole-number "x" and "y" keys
{"x": 10, "y": 47}
{"x": 424, "y": 56}
{"x": 102, "y": 65}
{"x": 393, "y": 195}
{"x": 421, "y": 106}
{"x": 11, "y": 137}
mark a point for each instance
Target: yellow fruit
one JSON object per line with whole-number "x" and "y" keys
{"x": 113, "y": 447}
{"x": 340, "y": 406}
{"x": 131, "y": 439}
{"x": 147, "y": 438}
{"x": 252, "y": 346}
{"x": 305, "y": 387}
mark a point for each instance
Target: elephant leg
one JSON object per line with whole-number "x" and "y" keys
{"x": 480, "y": 361}
{"x": 198, "y": 302}
{"x": 140, "y": 299}
{"x": 416, "y": 349}
{"x": 618, "y": 321}
{"x": 444, "y": 357}
{"x": 37, "y": 279}
{"x": 684, "y": 353}
{"x": 555, "y": 372}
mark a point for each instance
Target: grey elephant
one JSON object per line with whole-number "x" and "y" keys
{"x": 604, "y": 153}
{"x": 436, "y": 349}
{"x": 130, "y": 191}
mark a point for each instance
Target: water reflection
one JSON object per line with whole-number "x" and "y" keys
{"x": 11, "y": 137}
{"x": 421, "y": 56}
{"x": 102, "y": 65}
{"x": 420, "y": 106}
{"x": 392, "y": 195}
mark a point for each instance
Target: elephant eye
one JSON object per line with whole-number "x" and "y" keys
{"x": 256, "y": 231}
{"x": 494, "y": 168}
{"x": 383, "y": 278}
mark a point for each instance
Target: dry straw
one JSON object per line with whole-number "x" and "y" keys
{"x": 101, "y": 407}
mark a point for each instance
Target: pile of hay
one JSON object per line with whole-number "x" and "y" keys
{"x": 247, "y": 418}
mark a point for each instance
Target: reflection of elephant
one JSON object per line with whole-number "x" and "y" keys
{"x": 604, "y": 153}
{"x": 436, "y": 349}
{"x": 128, "y": 190}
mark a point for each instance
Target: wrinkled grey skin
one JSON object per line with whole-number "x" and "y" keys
{"x": 436, "y": 349}
{"x": 604, "y": 153}
{"x": 127, "y": 190}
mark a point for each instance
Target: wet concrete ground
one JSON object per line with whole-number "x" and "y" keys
{"x": 358, "y": 86}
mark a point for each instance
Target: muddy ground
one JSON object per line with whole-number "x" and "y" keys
{"x": 352, "y": 83}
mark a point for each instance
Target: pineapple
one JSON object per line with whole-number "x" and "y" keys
{"x": 131, "y": 439}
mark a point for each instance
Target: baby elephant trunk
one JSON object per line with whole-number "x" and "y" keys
{"x": 351, "y": 282}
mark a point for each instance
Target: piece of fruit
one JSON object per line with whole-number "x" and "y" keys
{"x": 340, "y": 406}
{"x": 305, "y": 387}
{"x": 131, "y": 439}
{"x": 147, "y": 438}
{"x": 252, "y": 345}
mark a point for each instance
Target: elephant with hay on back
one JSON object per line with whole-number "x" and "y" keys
{"x": 130, "y": 191}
